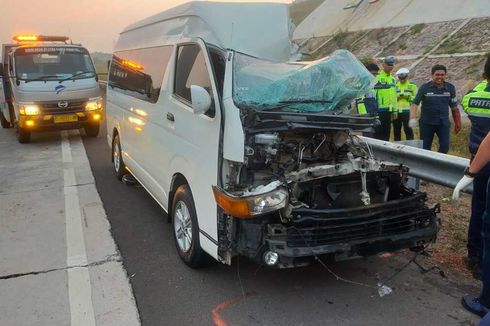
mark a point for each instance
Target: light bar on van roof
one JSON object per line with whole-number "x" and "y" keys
{"x": 39, "y": 38}
{"x": 132, "y": 65}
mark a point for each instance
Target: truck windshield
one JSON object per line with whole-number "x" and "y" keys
{"x": 53, "y": 63}
{"x": 318, "y": 86}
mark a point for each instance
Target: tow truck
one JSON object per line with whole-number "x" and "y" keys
{"x": 48, "y": 83}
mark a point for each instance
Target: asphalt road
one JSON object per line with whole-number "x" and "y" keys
{"x": 167, "y": 292}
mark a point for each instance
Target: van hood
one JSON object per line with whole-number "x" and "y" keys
{"x": 55, "y": 91}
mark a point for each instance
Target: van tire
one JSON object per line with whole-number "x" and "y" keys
{"x": 184, "y": 214}
{"x": 23, "y": 135}
{"x": 117, "y": 160}
{"x": 92, "y": 130}
{"x": 4, "y": 122}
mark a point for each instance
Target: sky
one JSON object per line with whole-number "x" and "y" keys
{"x": 93, "y": 23}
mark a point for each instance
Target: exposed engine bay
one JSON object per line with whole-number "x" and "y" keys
{"x": 319, "y": 190}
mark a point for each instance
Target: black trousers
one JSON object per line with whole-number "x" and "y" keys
{"x": 383, "y": 131}
{"x": 402, "y": 120}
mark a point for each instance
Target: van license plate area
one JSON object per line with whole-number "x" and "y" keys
{"x": 65, "y": 118}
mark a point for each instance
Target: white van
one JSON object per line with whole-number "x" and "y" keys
{"x": 48, "y": 83}
{"x": 249, "y": 154}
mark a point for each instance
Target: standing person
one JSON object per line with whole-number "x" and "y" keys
{"x": 386, "y": 95}
{"x": 367, "y": 104}
{"x": 479, "y": 305}
{"x": 477, "y": 105}
{"x": 405, "y": 92}
{"x": 436, "y": 97}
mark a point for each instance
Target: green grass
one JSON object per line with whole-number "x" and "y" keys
{"x": 450, "y": 46}
{"x": 340, "y": 37}
{"x": 403, "y": 46}
{"x": 415, "y": 29}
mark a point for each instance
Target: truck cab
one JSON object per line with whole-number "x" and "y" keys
{"x": 48, "y": 84}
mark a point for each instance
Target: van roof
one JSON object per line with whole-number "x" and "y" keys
{"x": 257, "y": 29}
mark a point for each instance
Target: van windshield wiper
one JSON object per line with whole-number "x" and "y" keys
{"x": 41, "y": 78}
{"x": 76, "y": 75}
{"x": 282, "y": 104}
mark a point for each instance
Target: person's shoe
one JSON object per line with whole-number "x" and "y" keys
{"x": 472, "y": 304}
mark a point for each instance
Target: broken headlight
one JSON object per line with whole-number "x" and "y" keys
{"x": 253, "y": 205}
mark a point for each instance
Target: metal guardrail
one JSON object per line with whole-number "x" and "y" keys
{"x": 442, "y": 169}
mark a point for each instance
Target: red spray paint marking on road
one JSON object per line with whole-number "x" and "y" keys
{"x": 215, "y": 313}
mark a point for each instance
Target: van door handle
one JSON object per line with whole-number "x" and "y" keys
{"x": 170, "y": 117}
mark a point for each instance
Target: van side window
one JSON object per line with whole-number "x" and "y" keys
{"x": 218, "y": 61}
{"x": 191, "y": 70}
{"x": 139, "y": 73}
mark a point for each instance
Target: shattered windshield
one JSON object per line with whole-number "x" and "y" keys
{"x": 318, "y": 86}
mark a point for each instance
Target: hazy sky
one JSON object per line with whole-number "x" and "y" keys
{"x": 94, "y": 23}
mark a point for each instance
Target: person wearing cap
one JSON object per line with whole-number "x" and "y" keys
{"x": 476, "y": 103}
{"x": 436, "y": 97}
{"x": 387, "y": 101}
{"x": 405, "y": 92}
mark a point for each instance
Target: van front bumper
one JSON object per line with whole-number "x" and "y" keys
{"x": 57, "y": 121}
{"x": 342, "y": 233}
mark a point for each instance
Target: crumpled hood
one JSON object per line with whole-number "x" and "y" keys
{"x": 55, "y": 91}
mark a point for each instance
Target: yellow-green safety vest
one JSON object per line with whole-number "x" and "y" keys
{"x": 386, "y": 92}
{"x": 405, "y": 93}
{"x": 477, "y": 102}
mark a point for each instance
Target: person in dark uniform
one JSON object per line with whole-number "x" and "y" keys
{"x": 477, "y": 105}
{"x": 436, "y": 96}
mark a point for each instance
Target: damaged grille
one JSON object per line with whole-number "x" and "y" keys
{"x": 323, "y": 227}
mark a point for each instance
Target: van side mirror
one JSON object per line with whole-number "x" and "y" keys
{"x": 201, "y": 100}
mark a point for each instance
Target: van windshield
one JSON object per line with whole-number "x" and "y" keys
{"x": 318, "y": 86}
{"x": 53, "y": 63}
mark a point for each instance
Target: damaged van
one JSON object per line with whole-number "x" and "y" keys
{"x": 248, "y": 153}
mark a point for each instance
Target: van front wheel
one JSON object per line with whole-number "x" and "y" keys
{"x": 23, "y": 135}
{"x": 186, "y": 229}
{"x": 92, "y": 130}
{"x": 3, "y": 121}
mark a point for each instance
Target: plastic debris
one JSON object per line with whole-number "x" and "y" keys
{"x": 384, "y": 290}
{"x": 317, "y": 86}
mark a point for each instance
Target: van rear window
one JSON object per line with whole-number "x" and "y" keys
{"x": 139, "y": 73}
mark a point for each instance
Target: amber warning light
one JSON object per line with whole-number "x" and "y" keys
{"x": 39, "y": 38}
{"x": 132, "y": 65}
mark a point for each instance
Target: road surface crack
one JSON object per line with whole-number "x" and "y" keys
{"x": 108, "y": 259}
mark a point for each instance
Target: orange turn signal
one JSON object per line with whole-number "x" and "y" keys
{"x": 233, "y": 206}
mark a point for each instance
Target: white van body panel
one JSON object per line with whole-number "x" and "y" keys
{"x": 156, "y": 149}
{"x": 233, "y": 135}
{"x": 238, "y": 27}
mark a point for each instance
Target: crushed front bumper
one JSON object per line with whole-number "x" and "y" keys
{"x": 345, "y": 233}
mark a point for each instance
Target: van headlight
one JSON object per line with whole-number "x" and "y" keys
{"x": 93, "y": 104}
{"x": 29, "y": 109}
{"x": 251, "y": 206}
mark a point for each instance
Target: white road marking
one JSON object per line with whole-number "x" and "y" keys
{"x": 79, "y": 286}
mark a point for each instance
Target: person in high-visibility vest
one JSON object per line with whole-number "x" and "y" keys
{"x": 405, "y": 92}
{"x": 476, "y": 103}
{"x": 387, "y": 101}
{"x": 368, "y": 105}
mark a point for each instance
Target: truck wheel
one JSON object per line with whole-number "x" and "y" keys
{"x": 92, "y": 130}
{"x": 117, "y": 159}
{"x": 186, "y": 229}
{"x": 23, "y": 135}
{"x": 3, "y": 121}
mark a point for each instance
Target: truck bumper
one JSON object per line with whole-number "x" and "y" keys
{"x": 73, "y": 120}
